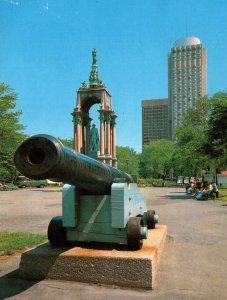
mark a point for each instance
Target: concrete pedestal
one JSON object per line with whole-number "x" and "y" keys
{"x": 113, "y": 266}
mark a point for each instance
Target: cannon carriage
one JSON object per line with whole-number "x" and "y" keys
{"x": 99, "y": 202}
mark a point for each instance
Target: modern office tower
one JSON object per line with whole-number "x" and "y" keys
{"x": 155, "y": 122}
{"x": 186, "y": 78}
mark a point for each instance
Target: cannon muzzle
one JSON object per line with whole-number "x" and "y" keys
{"x": 45, "y": 157}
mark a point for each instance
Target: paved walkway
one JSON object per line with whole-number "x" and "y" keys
{"x": 193, "y": 265}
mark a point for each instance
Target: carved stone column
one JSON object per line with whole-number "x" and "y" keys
{"x": 86, "y": 132}
{"x": 87, "y": 147}
{"x": 77, "y": 131}
{"x": 75, "y": 137}
{"x": 102, "y": 133}
{"x": 108, "y": 134}
{"x": 113, "y": 125}
{"x": 113, "y": 142}
{"x": 78, "y": 106}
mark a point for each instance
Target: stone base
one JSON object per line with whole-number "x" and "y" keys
{"x": 110, "y": 265}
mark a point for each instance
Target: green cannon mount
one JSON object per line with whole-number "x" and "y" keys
{"x": 117, "y": 218}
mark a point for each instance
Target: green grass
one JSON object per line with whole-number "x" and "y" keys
{"x": 10, "y": 242}
{"x": 224, "y": 193}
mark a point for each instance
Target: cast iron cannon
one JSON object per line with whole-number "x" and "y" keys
{"x": 99, "y": 203}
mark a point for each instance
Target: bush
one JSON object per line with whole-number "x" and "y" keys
{"x": 157, "y": 182}
{"x": 145, "y": 182}
{"x": 142, "y": 182}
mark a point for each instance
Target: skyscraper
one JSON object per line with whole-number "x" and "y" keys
{"x": 155, "y": 122}
{"x": 186, "y": 78}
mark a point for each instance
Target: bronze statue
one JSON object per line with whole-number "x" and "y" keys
{"x": 94, "y": 139}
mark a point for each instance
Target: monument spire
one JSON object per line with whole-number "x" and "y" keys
{"x": 94, "y": 77}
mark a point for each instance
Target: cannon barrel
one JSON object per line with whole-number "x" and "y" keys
{"x": 45, "y": 157}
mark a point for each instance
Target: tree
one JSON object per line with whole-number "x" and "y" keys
{"x": 197, "y": 114}
{"x": 156, "y": 159}
{"x": 215, "y": 144}
{"x": 67, "y": 142}
{"x": 188, "y": 158}
{"x": 127, "y": 159}
{"x": 10, "y": 132}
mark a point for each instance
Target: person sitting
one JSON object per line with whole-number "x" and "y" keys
{"x": 195, "y": 185}
{"x": 200, "y": 183}
{"x": 207, "y": 190}
{"x": 188, "y": 188}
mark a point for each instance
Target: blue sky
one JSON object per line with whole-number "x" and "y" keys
{"x": 45, "y": 54}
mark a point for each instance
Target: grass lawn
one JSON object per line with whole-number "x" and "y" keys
{"x": 224, "y": 193}
{"x": 10, "y": 242}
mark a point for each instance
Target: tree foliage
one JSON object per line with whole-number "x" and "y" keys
{"x": 188, "y": 159}
{"x": 68, "y": 142}
{"x": 156, "y": 159}
{"x": 215, "y": 144}
{"x": 197, "y": 114}
{"x": 10, "y": 132}
{"x": 127, "y": 160}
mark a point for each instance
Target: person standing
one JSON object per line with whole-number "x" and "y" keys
{"x": 215, "y": 189}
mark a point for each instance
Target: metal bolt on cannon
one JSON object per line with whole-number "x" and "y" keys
{"x": 99, "y": 202}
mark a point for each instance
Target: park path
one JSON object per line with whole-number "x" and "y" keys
{"x": 193, "y": 265}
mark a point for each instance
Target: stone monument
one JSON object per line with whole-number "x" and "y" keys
{"x": 87, "y": 140}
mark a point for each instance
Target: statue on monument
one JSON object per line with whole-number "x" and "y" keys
{"x": 84, "y": 85}
{"x": 94, "y": 139}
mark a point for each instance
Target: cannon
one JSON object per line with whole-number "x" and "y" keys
{"x": 100, "y": 203}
